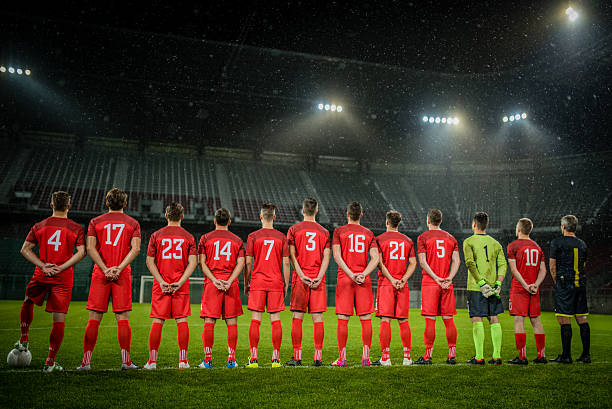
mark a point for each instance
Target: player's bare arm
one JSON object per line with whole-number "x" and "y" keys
{"x": 204, "y": 267}
{"x": 425, "y": 266}
{"x": 372, "y": 264}
{"x": 296, "y": 266}
{"x": 27, "y": 251}
{"x": 323, "y": 269}
{"x": 237, "y": 270}
{"x": 165, "y": 287}
{"x": 130, "y": 256}
{"x": 541, "y": 276}
{"x": 76, "y": 257}
{"x": 553, "y": 269}
{"x": 412, "y": 263}
{"x": 455, "y": 263}
{"x": 247, "y": 274}
{"x": 517, "y": 275}
{"x": 341, "y": 263}
{"x": 286, "y": 272}
{"x": 92, "y": 243}
{"x": 192, "y": 263}
{"x": 385, "y": 272}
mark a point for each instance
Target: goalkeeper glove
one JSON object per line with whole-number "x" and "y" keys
{"x": 497, "y": 288}
{"x": 485, "y": 288}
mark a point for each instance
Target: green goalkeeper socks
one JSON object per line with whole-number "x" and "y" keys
{"x": 496, "y": 338}
{"x": 478, "y": 332}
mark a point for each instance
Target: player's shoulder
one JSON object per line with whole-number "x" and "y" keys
{"x": 185, "y": 233}
{"x": 74, "y": 226}
{"x": 129, "y": 219}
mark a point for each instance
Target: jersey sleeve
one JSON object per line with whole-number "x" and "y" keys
{"x": 80, "y": 237}
{"x": 470, "y": 262}
{"x": 136, "y": 232}
{"x": 455, "y": 245}
{"x": 240, "y": 248}
{"x": 152, "y": 248}
{"x": 411, "y": 252}
{"x": 91, "y": 229}
{"x": 193, "y": 250}
{"x": 511, "y": 252}
{"x": 31, "y": 237}
{"x": 290, "y": 237}
{"x": 553, "y": 249}
{"x": 373, "y": 242}
{"x": 502, "y": 265}
{"x": 285, "y": 247}
{"x": 250, "y": 248}
{"x": 336, "y": 237}
{"x": 202, "y": 245}
{"x": 327, "y": 241}
{"x": 421, "y": 247}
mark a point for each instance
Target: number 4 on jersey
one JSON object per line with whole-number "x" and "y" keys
{"x": 54, "y": 240}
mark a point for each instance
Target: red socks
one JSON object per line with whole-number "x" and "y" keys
{"x": 277, "y": 338}
{"x": 254, "y": 337}
{"x": 208, "y": 340}
{"x": 154, "y": 341}
{"x": 540, "y": 344}
{"x": 232, "y": 340}
{"x": 520, "y": 338}
{"x": 124, "y": 334}
{"x": 366, "y": 337}
{"x": 91, "y": 336}
{"x": 430, "y": 337}
{"x": 27, "y": 314}
{"x": 406, "y": 338}
{"x": 183, "y": 340}
{"x": 385, "y": 339}
{"x": 296, "y": 338}
{"x": 55, "y": 341}
{"x": 451, "y": 336}
{"x": 342, "y": 335}
{"x": 319, "y": 335}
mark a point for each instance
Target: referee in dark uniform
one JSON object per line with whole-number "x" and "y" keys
{"x": 567, "y": 260}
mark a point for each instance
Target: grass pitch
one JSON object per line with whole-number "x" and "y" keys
{"x": 459, "y": 386}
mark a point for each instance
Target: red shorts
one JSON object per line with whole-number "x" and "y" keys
{"x": 165, "y": 306}
{"x": 350, "y": 294}
{"x": 436, "y": 301}
{"x": 59, "y": 294}
{"x": 270, "y": 301}
{"x": 391, "y": 302}
{"x": 524, "y": 304}
{"x": 220, "y": 304}
{"x": 305, "y": 299}
{"x": 101, "y": 289}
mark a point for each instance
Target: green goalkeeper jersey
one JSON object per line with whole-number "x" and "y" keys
{"x": 484, "y": 258}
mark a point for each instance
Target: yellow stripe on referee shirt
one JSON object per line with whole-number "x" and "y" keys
{"x": 577, "y": 273}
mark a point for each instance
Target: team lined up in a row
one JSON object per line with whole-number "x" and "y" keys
{"x": 113, "y": 241}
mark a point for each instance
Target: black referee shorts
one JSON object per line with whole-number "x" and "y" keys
{"x": 481, "y": 306}
{"x": 570, "y": 300}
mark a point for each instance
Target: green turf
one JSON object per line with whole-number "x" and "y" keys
{"x": 462, "y": 385}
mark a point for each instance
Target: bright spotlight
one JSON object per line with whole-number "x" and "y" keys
{"x": 28, "y": 72}
{"x": 571, "y": 14}
{"x": 437, "y": 120}
{"x": 339, "y": 108}
{"x": 449, "y": 121}
{"x": 523, "y": 115}
{"x": 11, "y": 70}
{"x": 443, "y": 120}
{"x": 505, "y": 119}
{"x": 333, "y": 107}
{"x": 327, "y": 107}
{"x": 517, "y": 117}
{"x": 455, "y": 121}
{"x": 424, "y": 118}
{"x": 431, "y": 119}
{"x": 2, "y": 68}
{"x": 19, "y": 71}
{"x": 320, "y": 106}
{"x": 511, "y": 118}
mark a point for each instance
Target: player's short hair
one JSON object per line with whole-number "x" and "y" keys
{"x": 394, "y": 218}
{"x": 482, "y": 220}
{"x": 434, "y": 216}
{"x": 116, "y": 199}
{"x": 569, "y": 223}
{"x": 354, "y": 210}
{"x": 525, "y": 225}
{"x": 309, "y": 206}
{"x": 222, "y": 216}
{"x": 268, "y": 210}
{"x": 60, "y": 200}
{"x": 175, "y": 211}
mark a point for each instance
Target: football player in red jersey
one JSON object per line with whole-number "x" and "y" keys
{"x": 171, "y": 259}
{"x": 222, "y": 261}
{"x": 266, "y": 280}
{"x": 439, "y": 259}
{"x": 396, "y": 265}
{"x": 113, "y": 242}
{"x": 526, "y": 261}
{"x": 309, "y": 248}
{"x": 351, "y": 245}
{"x": 56, "y": 237}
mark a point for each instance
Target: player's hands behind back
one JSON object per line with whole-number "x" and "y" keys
{"x": 50, "y": 269}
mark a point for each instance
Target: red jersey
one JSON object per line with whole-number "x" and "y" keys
{"x": 438, "y": 246}
{"x": 355, "y": 243}
{"x": 113, "y": 232}
{"x": 310, "y": 240}
{"x": 171, "y": 247}
{"x": 268, "y": 246}
{"x": 57, "y": 238}
{"x": 222, "y": 249}
{"x": 395, "y": 249}
{"x": 528, "y": 256}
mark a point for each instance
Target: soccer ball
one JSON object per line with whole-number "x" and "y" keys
{"x": 19, "y": 359}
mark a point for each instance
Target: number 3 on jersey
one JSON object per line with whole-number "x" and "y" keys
{"x": 311, "y": 244}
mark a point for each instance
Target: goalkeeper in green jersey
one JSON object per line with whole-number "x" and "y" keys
{"x": 484, "y": 258}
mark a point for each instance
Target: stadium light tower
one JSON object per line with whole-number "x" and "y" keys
{"x": 329, "y": 107}
{"x": 15, "y": 70}
{"x": 572, "y": 14}
{"x": 437, "y": 120}
{"x": 514, "y": 117}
